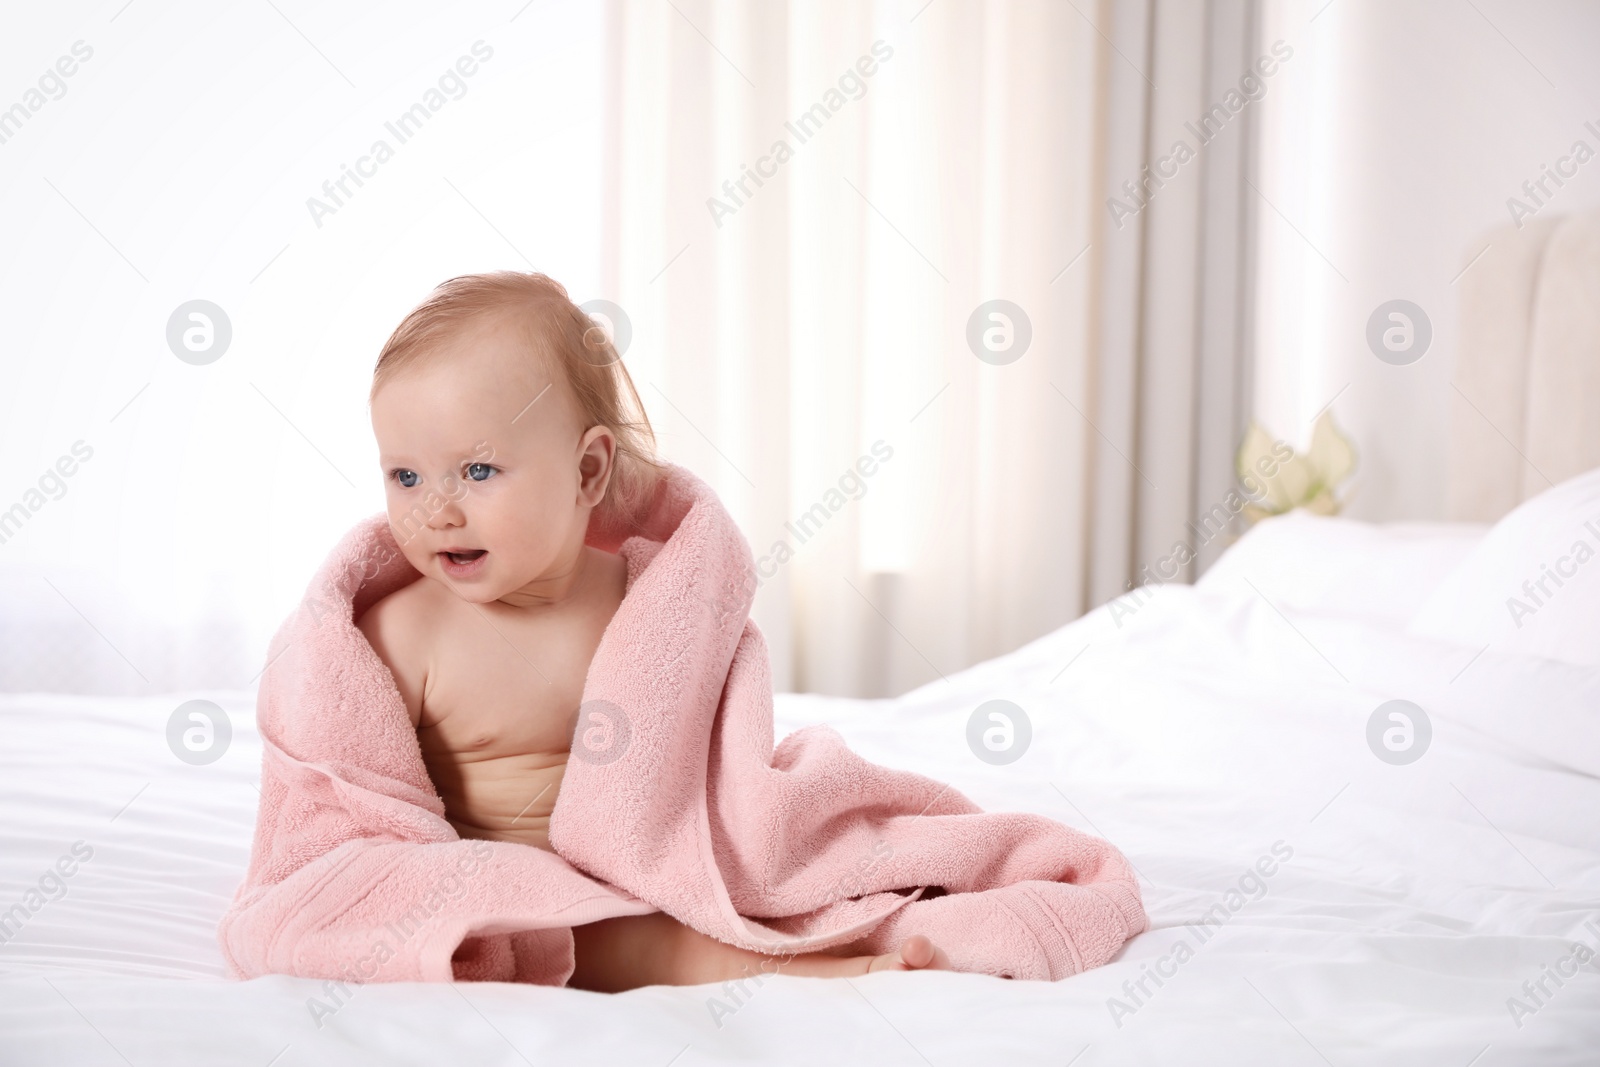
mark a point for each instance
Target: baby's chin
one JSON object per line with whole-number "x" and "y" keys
{"x": 473, "y": 594}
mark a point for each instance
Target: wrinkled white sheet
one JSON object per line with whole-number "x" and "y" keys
{"x": 1198, "y": 729}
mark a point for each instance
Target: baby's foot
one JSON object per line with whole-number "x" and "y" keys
{"x": 917, "y": 953}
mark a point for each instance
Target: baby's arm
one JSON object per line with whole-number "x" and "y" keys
{"x": 395, "y": 634}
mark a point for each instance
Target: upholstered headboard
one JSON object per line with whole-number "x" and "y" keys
{"x": 1527, "y": 413}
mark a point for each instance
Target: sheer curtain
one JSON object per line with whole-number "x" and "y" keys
{"x": 809, "y": 209}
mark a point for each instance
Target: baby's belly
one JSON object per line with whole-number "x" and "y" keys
{"x": 507, "y": 798}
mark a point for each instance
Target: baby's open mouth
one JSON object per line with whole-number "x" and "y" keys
{"x": 461, "y": 557}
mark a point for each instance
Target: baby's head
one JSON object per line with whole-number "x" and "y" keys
{"x": 503, "y": 419}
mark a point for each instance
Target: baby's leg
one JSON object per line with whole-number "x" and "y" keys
{"x": 614, "y": 955}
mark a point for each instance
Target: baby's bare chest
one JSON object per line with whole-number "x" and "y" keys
{"x": 504, "y": 685}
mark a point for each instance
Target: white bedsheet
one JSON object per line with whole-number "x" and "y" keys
{"x": 1206, "y": 728}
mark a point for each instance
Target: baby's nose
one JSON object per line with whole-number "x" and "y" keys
{"x": 448, "y": 515}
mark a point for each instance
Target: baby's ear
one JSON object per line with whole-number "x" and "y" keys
{"x": 597, "y": 463}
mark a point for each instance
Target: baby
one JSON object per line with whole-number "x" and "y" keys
{"x": 498, "y": 407}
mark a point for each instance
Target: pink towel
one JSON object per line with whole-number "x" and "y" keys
{"x": 674, "y": 799}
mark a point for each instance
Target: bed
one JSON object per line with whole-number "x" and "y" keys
{"x": 1320, "y": 891}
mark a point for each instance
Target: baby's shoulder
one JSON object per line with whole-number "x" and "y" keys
{"x": 406, "y": 620}
{"x": 402, "y": 628}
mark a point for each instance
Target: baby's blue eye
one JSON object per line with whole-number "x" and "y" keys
{"x": 479, "y": 472}
{"x": 406, "y": 478}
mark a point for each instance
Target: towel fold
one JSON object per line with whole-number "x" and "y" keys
{"x": 674, "y": 799}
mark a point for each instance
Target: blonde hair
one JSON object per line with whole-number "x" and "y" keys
{"x": 569, "y": 340}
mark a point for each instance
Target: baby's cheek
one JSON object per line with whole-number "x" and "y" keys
{"x": 405, "y": 528}
{"x": 417, "y": 557}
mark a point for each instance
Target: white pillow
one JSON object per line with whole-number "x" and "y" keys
{"x": 1533, "y": 585}
{"x": 1315, "y": 563}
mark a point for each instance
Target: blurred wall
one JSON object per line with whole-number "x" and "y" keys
{"x": 182, "y": 159}
{"x": 1399, "y": 133}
